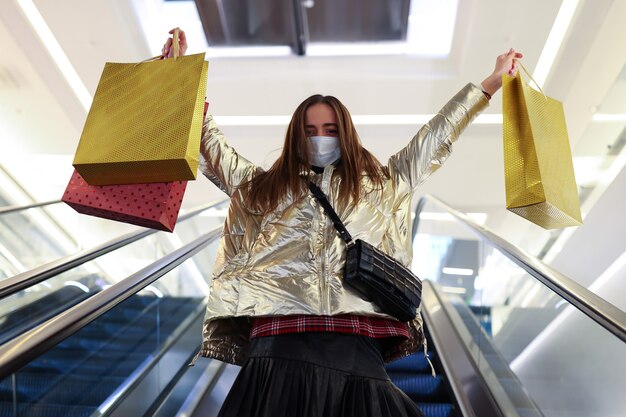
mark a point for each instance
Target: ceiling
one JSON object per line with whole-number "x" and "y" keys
{"x": 41, "y": 116}
{"x": 298, "y": 23}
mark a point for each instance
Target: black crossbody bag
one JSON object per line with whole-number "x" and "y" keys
{"x": 375, "y": 275}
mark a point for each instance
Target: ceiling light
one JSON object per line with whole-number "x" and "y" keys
{"x": 248, "y": 51}
{"x": 454, "y": 290}
{"x": 214, "y": 213}
{"x": 355, "y": 48}
{"x": 602, "y": 117}
{"x": 479, "y": 218}
{"x": 391, "y": 119}
{"x": 360, "y": 120}
{"x": 458, "y": 271}
{"x": 554, "y": 41}
{"x": 446, "y": 217}
{"x": 488, "y": 119}
{"x": 415, "y": 119}
{"x": 56, "y": 52}
{"x": 252, "y": 120}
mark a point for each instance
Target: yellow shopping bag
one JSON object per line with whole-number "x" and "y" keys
{"x": 145, "y": 122}
{"x": 539, "y": 174}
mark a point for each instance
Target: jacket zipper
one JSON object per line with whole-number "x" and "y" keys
{"x": 326, "y": 177}
{"x": 322, "y": 260}
{"x": 323, "y": 286}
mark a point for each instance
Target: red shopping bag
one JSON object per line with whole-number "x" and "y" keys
{"x": 153, "y": 205}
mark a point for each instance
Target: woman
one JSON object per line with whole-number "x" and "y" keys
{"x": 308, "y": 344}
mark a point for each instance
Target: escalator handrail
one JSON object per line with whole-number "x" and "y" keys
{"x": 595, "y": 307}
{"x": 13, "y": 209}
{"x": 21, "y": 350}
{"x": 27, "y": 279}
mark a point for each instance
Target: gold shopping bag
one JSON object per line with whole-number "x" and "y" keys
{"x": 538, "y": 169}
{"x": 145, "y": 122}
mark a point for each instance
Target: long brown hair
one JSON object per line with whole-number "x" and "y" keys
{"x": 269, "y": 188}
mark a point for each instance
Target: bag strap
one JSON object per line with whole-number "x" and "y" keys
{"x": 176, "y": 43}
{"x": 328, "y": 209}
{"x": 531, "y": 77}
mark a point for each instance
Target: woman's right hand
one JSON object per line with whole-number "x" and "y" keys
{"x": 168, "y": 50}
{"x": 505, "y": 64}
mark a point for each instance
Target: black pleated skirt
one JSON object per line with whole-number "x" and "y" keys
{"x": 316, "y": 375}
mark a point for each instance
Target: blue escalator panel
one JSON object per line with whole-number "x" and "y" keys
{"x": 413, "y": 376}
{"x": 77, "y": 376}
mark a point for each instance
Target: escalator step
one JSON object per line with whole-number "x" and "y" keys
{"x": 50, "y": 410}
{"x": 77, "y": 343}
{"x": 436, "y": 409}
{"x": 29, "y": 388}
{"x": 146, "y": 344}
{"x": 6, "y": 409}
{"x": 114, "y": 364}
{"x": 141, "y": 301}
{"x": 135, "y": 332}
{"x": 115, "y": 328}
{"x": 413, "y": 363}
{"x": 86, "y": 368}
{"x": 421, "y": 387}
{"x": 95, "y": 331}
{"x": 126, "y": 315}
{"x": 6, "y": 390}
{"x": 69, "y": 389}
{"x": 176, "y": 313}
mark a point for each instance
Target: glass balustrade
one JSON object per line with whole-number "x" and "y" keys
{"x": 538, "y": 354}
{"x": 133, "y": 351}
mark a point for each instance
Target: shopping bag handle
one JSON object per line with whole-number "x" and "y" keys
{"x": 175, "y": 44}
{"x": 531, "y": 77}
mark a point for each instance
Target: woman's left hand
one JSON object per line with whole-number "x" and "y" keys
{"x": 505, "y": 64}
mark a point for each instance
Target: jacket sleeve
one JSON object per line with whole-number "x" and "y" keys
{"x": 432, "y": 144}
{"x": 220, "y": 163}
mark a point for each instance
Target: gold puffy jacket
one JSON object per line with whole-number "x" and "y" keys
{"x": 291, "y": 261}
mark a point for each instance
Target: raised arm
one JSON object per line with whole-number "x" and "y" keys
{"x": 219, "y": 162}
{"x": 432, "y": 144}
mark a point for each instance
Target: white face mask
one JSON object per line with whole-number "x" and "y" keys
{"x": 323, "y": 150}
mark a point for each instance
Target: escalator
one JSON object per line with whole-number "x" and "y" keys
{"x": 123, "y": 349}
{"x": 82, "y": 372}
{"x": 133, "y": 341}
{"x": 432, "y": 394}
{"x": 509, "y": 331}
